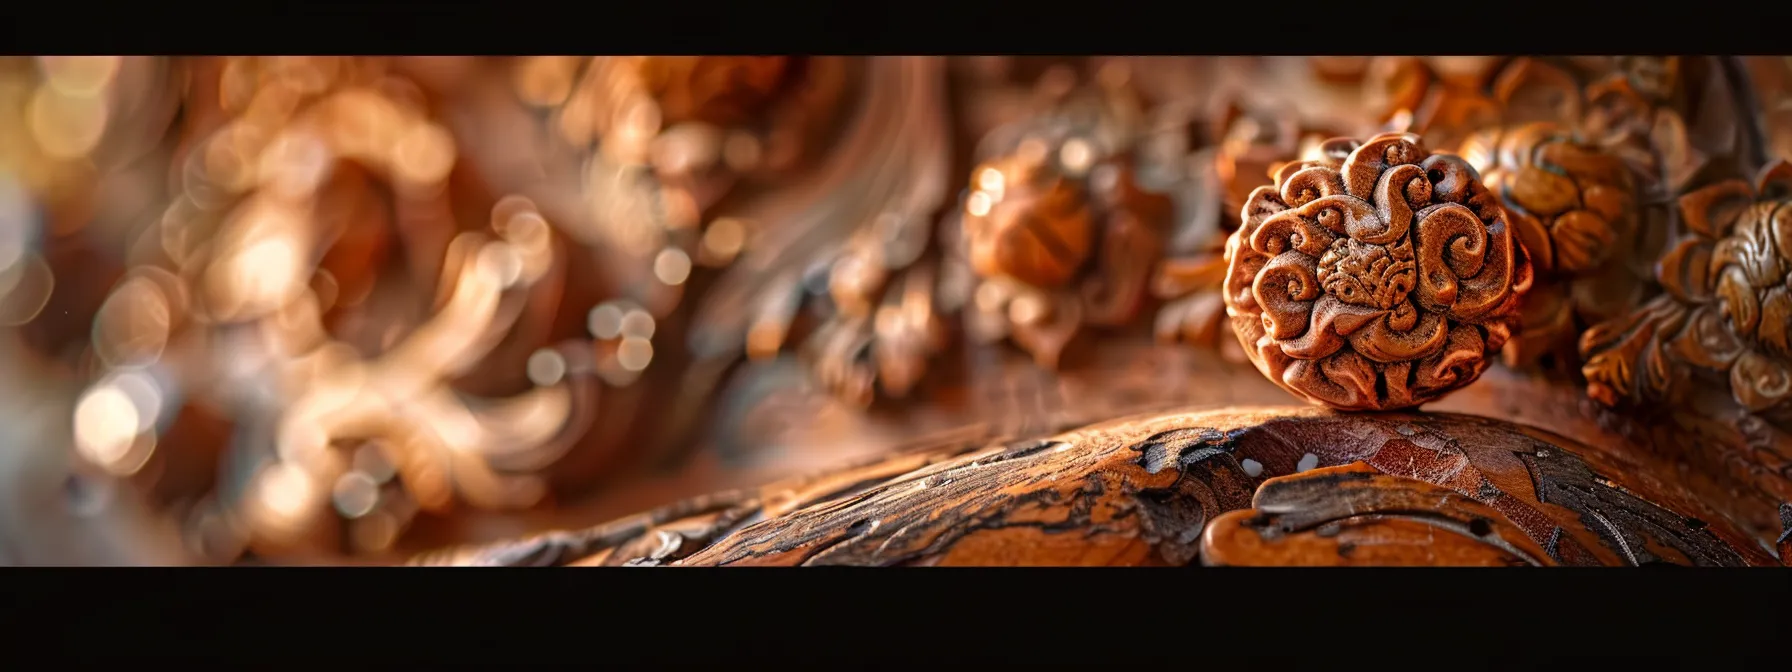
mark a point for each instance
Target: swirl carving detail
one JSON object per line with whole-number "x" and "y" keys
{"x": 1378, "y": 277}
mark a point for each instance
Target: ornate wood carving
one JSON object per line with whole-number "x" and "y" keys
{"x": 1727, "y": 310}
{"x": 848, "y": 276}
{"x": 1059, "y": 232}
{"x": 1357, "y": 515}
{"x": 1573, "y": 206}
{"x": 1254, "y": 137}
{"x": 1380, "y": 277}
{"x": 1641, "y": 133}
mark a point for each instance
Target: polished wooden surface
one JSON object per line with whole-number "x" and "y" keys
{"x": 1177, "y": 488}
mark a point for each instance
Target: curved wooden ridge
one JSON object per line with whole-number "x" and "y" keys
{"x": 1263, "y": 486}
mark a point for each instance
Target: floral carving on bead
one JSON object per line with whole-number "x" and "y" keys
{"x": 1378, "y": 277}
{"x": 1727, "y": 308}
{"x": 1363, "y": 274}
{"x": 1253, "y": 141}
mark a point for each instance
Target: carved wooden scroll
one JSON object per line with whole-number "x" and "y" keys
{"x": 1357, "y": 515}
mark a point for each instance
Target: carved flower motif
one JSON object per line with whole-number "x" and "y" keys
{"x": 1379, "y": 277}
{"x": 1253, "y": 143}
{"x": 1059, "y": 234}
{"x": 1028, "y": 221}
{"x": 1573, "y": 205}
{"x": 1727, "y": 308}
{"x": 1568, "y": 200}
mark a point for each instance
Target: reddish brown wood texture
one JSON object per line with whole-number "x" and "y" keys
{"x": 1143, "y": 490}
{"x": 1357, "y": 515}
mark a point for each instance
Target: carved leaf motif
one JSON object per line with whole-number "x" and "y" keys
{"x": 1625, "y": 359}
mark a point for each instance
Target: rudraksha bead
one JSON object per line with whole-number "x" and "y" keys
{"x": 1379, "y": 277}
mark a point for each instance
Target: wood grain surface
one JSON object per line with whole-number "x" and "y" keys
{"x": 1144, "y": 490}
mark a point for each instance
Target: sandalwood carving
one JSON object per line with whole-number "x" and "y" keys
{"x": 1727, "y": 309}
{"x": 1379, "y": 277}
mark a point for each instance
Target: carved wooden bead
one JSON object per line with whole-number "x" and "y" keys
{"x": 1567, "y": 201}
{"x": 1025, "y": 221}
{"x": 1380, "y": 277}
{"x": 1573, "y": 206}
